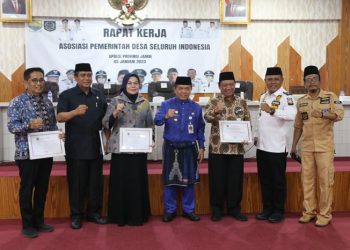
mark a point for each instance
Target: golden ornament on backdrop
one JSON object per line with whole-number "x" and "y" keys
{"x": 127, "y": 15}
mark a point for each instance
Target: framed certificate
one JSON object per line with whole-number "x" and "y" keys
{"x": 45, "y": 144}
{"x": 135, "y": 140}
{"x": 235, "y": 131}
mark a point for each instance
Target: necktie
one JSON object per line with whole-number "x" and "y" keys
{"x": 232, "y": 9}
{"x": 16, "y": 6}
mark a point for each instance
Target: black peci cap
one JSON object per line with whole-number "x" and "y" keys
{"x": 183, "y": 80}
{"x": 82, "y": 67}
{"x": 226, "y": 76}
{"x": 273, "y": 71}
{"x": 310, "y": 70}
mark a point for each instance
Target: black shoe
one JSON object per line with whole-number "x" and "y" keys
{"x": 216, "y": 217}
{"x": 167, "y": 217}
{"x": 75, "y": 223}
{"x": 97, "y": 219}
{"x": 45, "y": 228}
{"x": 30, "y": 232}
{"x": 239, "y": 217}
{"x": 276, "y": 217}
{"x": 191, "y": 216}
{"x": 263, "y": 216}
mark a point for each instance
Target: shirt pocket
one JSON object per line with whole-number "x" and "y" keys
{"x": 325, "y": 107}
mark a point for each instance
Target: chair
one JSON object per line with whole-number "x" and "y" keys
{"x": 161, "y": 88}
{"x": 246, "y": 87}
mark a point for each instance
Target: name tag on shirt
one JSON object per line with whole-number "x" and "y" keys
{"x": 325, "y": 100}
{"x": 190, "y": 129}
{"x": 290, "y": 101}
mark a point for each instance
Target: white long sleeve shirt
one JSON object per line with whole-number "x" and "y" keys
{"x": 273, "y": 130}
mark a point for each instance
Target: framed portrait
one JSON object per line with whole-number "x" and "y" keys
{"x": 16, "y": 11}
{"x": 235, "y": 11}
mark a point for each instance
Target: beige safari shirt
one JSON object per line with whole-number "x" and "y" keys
{"x": 235, "y": 109}
{"x": 317, "y": 133}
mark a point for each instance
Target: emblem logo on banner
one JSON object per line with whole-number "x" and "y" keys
{"x": 127, "y": 15}
{"x": 50, "y": 25}
{"x": 35, "y": 25}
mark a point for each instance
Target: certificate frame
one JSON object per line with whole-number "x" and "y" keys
{"x": 45, "y": 145}
{"x": 8, "y": 14}
{"x": 239, "y": 13}
{"x": 226, "y": 126}
{"x": 135, "y": 140}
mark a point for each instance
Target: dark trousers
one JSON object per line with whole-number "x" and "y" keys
{"x": 272, "y": 176}
{"x": 225, "y": 181}
{"x": 85, "y": 178}
{"x": 35, "y": 175}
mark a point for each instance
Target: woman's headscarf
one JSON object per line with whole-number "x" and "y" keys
{"x": 132, "y": 97}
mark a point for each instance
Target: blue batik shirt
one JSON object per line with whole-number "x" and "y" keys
{"x": 21, "y": 110}
{"x": 177, "y": 127}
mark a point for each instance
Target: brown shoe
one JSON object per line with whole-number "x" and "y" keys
{"x": 321, "y": 222}
{"x": 306, "y": 218}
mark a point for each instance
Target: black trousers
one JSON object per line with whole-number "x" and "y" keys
{"x": 272, "y": 176}
{"x": 225, "y": 182}
{"x": 85, "y": 178}
{"x": 35, "y": 175}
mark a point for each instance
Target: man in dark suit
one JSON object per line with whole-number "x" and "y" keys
{"x": 82, "y": 109}
{"x": 14, "y": 7}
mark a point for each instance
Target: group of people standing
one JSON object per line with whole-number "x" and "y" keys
{"x": 86, "y": 112}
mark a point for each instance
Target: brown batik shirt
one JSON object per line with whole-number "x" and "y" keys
{"x": 235, "y": 109}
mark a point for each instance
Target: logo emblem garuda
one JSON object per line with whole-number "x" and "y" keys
{"x": 50, "y": 25}
{"x": 127, "y": 11}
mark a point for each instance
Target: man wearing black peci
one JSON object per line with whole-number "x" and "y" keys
{"x": 277, "y": 112}
{"x": 82, "y": 109}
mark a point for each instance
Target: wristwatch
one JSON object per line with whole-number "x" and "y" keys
{"x": 272, "y": 111}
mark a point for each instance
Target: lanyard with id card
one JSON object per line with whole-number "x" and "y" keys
{"x": 190, "y": 126}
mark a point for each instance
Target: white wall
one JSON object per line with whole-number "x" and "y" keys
{"x": 310, "y": 24}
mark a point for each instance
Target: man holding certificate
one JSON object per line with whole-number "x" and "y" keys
{"x": 226, "y": 159}
{"x": 277, "y": 111}
{"x": 27, "y": 113}
{"x": 183, "y": 148}
{"x": 82, "y": 109}
{"x": 129, "y": 117}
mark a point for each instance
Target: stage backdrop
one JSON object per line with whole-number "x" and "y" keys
{"x": 56, "y": 44}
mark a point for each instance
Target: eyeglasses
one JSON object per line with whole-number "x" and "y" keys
{"x": 37, "y": 81}
{"x": 312, "y": 79}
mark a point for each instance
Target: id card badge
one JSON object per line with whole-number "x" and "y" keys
{"x": 190, "y": 129}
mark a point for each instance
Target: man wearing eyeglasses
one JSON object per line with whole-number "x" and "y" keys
{"x": 316, "y": 113}
{"x": 32, "y": 112}
{"x": 82, "y": 109}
